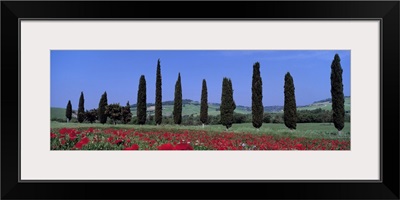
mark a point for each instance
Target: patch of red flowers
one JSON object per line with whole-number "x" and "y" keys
{"x": 183, "y": 147}
{"x": 167, "y": 146}
{"x": 130, "y": 139}
{"x": 81, "y": 143}
{"x": 133, "y": 147}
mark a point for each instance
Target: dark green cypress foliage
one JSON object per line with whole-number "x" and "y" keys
{"x": 68, "y": 112}
{"x": 204, "y": 104}
{"x": 102, "y": 116}
{"x": 81, "y": 109}
{"x": 177, "y": 113}
{"x": 233, "y": 104}
{"x": 158, "y": 106}
{"x": 141, "y": 105}
{"x": 126, "y": 113}
{"x": 257, "y": 107}
{"x": 337, "y": 94}
{"x": 227, "y": 103}
{"x": 289, "y": 108}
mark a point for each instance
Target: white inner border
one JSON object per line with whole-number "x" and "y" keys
{"x": 39, "y": 163}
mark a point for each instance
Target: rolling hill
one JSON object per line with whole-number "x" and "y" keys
{"x": 191, "y": 107}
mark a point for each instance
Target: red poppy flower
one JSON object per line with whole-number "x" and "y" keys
{"x": 133, "y": 147}
{"x": 183, "y": 147}
{"x": 167, "y": 146}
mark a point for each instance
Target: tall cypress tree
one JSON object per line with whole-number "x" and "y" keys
{"x": 289, "y": 108}
{"x": 158, "y": 106}
{"x": 68, "y": 112}
{"x": 337, "y": 94}
{"x": 81, "y": 109}
{"x": 141, "y": 105}
{"x": 233, "y": 104}
{"x": 257, "y": 107}
{"x": 102, "y": 116}
{"x": 178, "y": 101}
{"x": 227, "y": 103}
{"x": 204, "y": 104}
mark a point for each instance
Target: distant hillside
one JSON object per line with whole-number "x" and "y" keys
{"x": 191, "y": 107}
{"x": 59, "y": 113}
{"x": 326, "y": 104}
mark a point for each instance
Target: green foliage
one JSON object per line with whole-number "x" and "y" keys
{"x": 114, "y": 112}
{"x": 266, "y": 118}
{"x": 158, "y": 103}
{"x": 126, "y": 113}
{"x": 177, "y": 113}
{"x": 256, "y": 97}
{"x": 239, "y": 118}
{"x": 68, "y": 112}
{"x": 289, "y": 107}
{"x": 102, "y": 116}
{"x": 277, "y": 119}
{"x": 81, "y": 109}
{"x": 227, "y": 103}
{"x": 338, "y": 114}
{"x": 141, "y": 111}
{"x": 91, "y": 115}
{"x": 204, "y": 103}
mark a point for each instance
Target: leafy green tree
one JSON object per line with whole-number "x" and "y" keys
{"x": 81, "y": 109}
{"x": 289, "y": 108}
{"x": 126, "y": 113}
{"x": 141, "y": 111}
{"x": 337, "y": 94}
{"x": 177, "y": 112}
{"x": 114, "y": 111}
{"x": 102, "y": 116}
{"x": 68, "y": 112}
{"x": 158, "y": 104}
{"x": 257, "y": 107}
{"x": 204, "y": 104}
{"x": 91, "y": 115}
{"x": 228, "y": 105}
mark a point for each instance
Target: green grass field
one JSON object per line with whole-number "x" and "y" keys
{"x": 307, "y": 130}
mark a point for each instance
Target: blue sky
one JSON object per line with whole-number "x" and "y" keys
{"x": 118, "y": 71}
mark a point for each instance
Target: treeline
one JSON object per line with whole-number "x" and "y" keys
{"x": 115, "y": 112}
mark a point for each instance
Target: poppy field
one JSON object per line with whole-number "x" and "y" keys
{"x": 94, "y": 138}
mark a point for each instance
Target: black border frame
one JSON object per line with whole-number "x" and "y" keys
{"x": 386, "y": 11}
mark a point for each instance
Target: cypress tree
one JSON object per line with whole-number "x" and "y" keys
{"x": 204, "y": 104}
{"x": 233, "y": 104}
{"x": 257, "y": 107}
{"x": 158, "y": 106}
{"x": 141, "y": 105}
{"x": 289, "y": 108}
{"x": 81, "y": 109}
{"x": 227, "y": 103}
{"x": 177, "y": 113}
{"x": 337, "y": 94}
{"x": 102, "y": 116}
{"x": 68, "y": 112}
{"x": 126, "y": 113}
